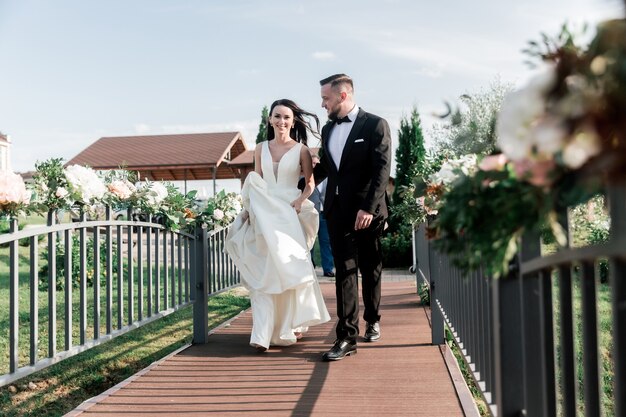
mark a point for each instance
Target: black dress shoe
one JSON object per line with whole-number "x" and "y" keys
{"x": 340, "y": 350}
{"x": 329, "y": 274}
{"x": 372, "y": 332}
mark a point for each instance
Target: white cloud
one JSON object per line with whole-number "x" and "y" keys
{"x": 428, "y": 72}
{"x": 142, "y": 128}
{"x": 323, "y": 55}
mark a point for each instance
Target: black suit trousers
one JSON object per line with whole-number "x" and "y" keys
{"x": 355, "y": 251}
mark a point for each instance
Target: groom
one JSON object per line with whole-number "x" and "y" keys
{"x": 356, "y": 148}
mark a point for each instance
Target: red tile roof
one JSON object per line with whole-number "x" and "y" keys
{"x": 167, "y": 157}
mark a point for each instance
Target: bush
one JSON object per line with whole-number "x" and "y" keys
{"x": 397, "y": 247}
{"x": 60, "y": 263}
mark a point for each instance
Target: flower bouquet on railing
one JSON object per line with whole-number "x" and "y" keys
{"x": 179, "y": 210}
{"x": 561, "y": 136}
{"x": 220, "y": 210}
{"x": 83, "y": 190}
{"x": 121, "y": 191}
{"x": 51, "y": 188}
{"x": 14, "y": 197}
{"x": 419, "y": 199}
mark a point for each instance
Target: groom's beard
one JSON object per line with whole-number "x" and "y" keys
{"x": 333, "y": 116}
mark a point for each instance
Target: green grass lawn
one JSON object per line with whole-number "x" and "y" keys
{"x": 605, "y": 342}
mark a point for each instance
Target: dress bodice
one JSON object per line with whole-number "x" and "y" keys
{"x": 287, "y": 173}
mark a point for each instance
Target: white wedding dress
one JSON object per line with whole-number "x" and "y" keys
{"x": 272, "y": 252}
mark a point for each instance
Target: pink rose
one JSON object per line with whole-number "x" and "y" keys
{"x": 122, "y": 189}
{"x": 493, "y": 162}
{"x": 12, "y": 189}
{"x": 535, "y": 172}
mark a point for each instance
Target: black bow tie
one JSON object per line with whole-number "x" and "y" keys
{"x": 344, "y": 119}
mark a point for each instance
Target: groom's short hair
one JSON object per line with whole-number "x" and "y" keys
{"x": 337, "y": 80}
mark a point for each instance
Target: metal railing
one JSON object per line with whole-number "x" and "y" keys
{"x": 128, "y": 274}
{"x": 517, "y": 333}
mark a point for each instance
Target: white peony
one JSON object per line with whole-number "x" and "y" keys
{"x": 85, "y": 183}
{"x": 61, "y": 192}
{"x": 519, "y": 126}
{"x": 218, "y": 214}
{"x": 156, "y": 193}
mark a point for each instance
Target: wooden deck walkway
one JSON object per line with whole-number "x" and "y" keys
{"x": 400, "y": 375}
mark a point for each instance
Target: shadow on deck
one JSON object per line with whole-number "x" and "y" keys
{"x": 400, "y": 375}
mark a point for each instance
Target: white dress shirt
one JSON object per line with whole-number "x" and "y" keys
{"x": 339, "y": 136}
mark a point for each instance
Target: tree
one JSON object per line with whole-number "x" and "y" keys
{"x": 471, "y": 127}
{"x": 410, "y": 154}
{"x": 262, "y": 135}
{"x": 410, "y": 157}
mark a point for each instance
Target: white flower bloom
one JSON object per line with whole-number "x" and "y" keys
{"x": 218, "y": 214}
{"x": 549, "y": 135}
{"x": 85, "y": 182}
{"x": 451, "y": 169}
{"x": 61, "y": 192}
{"x": 155, "y": 194}
{"x": 518, "y": 124}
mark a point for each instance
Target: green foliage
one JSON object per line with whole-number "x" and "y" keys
{"x": 482, "y": 217}
{"x": 176, "y": 208}
{"x": 48, "y": 178}
{"x": 424, "y": 293}
{"x": 410, "y": 154}
{"x": 262, "y": 135}
{"x": 411, "y": 160}
{"x": 590, "y": 223}
{"x": 397, "y": 247}
{"x": 471, "y": 127}
{"x": 405, "y": 208}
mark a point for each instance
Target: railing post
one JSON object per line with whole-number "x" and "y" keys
{"x": 423, "y": 267}
{"x": 201, "y": 284}
{"x": 617, "y": 208}
{"x": 52, "y": 287}
{"x": 537, "y": 343}
{"x": 508, "y": 352}
{"x": 13, "y": 298}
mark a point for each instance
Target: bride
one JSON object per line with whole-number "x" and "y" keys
{"x": 270, "y": 241}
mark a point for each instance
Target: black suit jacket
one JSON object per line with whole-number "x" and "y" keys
{"x": 363, "y": 174}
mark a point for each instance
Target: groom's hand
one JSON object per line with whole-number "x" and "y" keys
{"x": 363, "y": 220}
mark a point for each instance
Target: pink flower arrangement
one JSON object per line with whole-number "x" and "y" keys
{"x": 13, "y": 193}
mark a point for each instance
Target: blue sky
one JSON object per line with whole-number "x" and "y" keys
{"x": 73, "y": 71}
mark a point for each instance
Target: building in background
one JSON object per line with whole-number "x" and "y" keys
{"x": 5, "y": 152}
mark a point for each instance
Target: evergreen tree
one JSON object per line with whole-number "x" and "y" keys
{"x": 410, "y": 157}
{"x": 262, "y": 135}
{"x": 410, "y": 154}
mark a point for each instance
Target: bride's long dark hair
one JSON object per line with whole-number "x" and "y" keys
{"x": 300, "y": 123}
